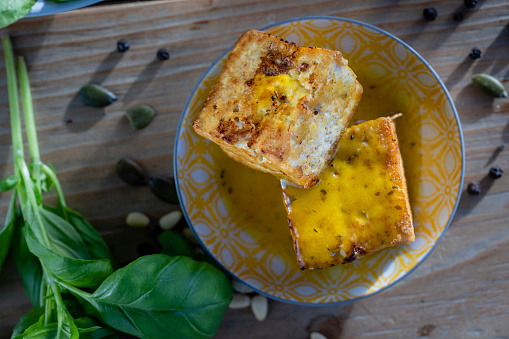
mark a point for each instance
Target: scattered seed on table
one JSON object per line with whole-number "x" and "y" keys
{"x": 137, "y": 219}
{"x": 163, "y": 54}
{"x": 123, "y": 45}
{"x": 489, "y": 85}
{"x": 475, "y": 53}
{"x": 470, "y": 3}
{"x": 140, "y": 116}
{"x": 429, "y": 13}
{"x": 501, "y": 147}
{"x": 94, "y": 95}
{"x": 260, "y": 307}
{"x": 169, "y": 220}
{"x": 131, "y": 172}
{"x": 458, "y": 16}
{"x": 239, "y": 301}
{"x": 317, "y": 335}
{"x": 474, "y": 188}
{"x": 240, "y": 287}
{"x": 496, "y": 172}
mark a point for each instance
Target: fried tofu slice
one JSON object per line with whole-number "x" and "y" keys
{"x": 279, "y": 108}
{"x": 360, "y": 205}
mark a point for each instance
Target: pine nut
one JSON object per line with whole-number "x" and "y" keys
{"x": 137, "y": 219}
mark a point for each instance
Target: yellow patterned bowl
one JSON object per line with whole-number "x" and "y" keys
{"x": 238, "y": 214}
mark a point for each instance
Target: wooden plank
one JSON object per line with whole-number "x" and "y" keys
{"x": 459, "y": 291}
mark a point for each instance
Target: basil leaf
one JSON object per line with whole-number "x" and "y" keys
{"x": 7, "y": 231}
{"x": 13, "y": 10}
{"x": 8, "y": 183}
{"x": 28, "y": 320}
{"x": 77, "y": 272}
{"x": 92, "y": 239}
{"x": 50, "y": 331}
{"x": 64, "y": 236}
{"x": 174, "y": 244}
{"x": 159, "y": 294}
{"x": 90, "y": 328}
{"x": 32, "y": 328}
{"x": 28, "y": 265}
{"x": 46, "y": 183}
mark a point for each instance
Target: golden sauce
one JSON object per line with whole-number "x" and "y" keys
{"x": 280, "y": 92}
{"x": 358, "y": 203}
{"x": 257, "y": 197}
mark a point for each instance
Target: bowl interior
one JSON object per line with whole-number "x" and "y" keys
{"x": 238, "y": 214}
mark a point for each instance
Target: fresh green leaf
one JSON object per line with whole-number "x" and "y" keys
{"x": 38, "y": 323}
{"x": 68, "y": 328}
{"x": 64, "y": 236}
{"x": 90, "y": 328}
{"x": 13, "y": 10}
{"x": 28, "y": 320}
{"x": 28, "y": 265}
{"x": 174, "y": 244}
{"x": 51, "y": 331}
{"x": 159, "y": 294}
{"x": 77, "y": 272}
{"x": 46, "y": 181}
{"x": 7, "y": 231}
{"x": 41, "y": 332}
{"x": 93, "y": 240}
{"x": 8, "y": 183}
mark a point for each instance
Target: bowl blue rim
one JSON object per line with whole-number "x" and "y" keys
{"x": 460, "y": 188}
{"x": 62, "y": 7}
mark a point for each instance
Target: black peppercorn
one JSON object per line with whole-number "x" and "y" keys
{"x": 430, "y": 13}
{"x": 123, "y": 45}
{"x": 163, "y": 54}
{"x": 475, "y": 53}
{"x": 458, "y": 16}
{"x": 501, "y": 147}
{"x": 496, "y": 172}
{"x": 470, "y": 3}
{"x": 474, "y": 188}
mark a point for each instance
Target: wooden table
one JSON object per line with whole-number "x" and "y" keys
{"x": 460, "y": 291}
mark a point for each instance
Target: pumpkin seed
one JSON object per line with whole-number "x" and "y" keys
{"x": 164, "y": 189}
{"x": 140, "y": 116}
{"x": 317, "y": 335}
{"x": 260, "y": 307}
{"x": 168, "y": 221}
{"x": 240, "y": 287}
{"x": 96, "y": 96}
{"x": 239, "y": 301}
{"x": 132, "y": 173}
{"x": 489, "y": 85}
{"x": 137, "y": 219}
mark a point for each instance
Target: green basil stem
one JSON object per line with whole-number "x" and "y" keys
{"x": 31, "y": 202}
{"x": 12, "y": 86}
{"x": 61, "y": 200}
{"x": 60, "y": 305}
{"x": 48, "y": 307}
{"x": 25, "y": 189}
{"x": 31, "y": 132}
{"x": 75, "y": 290}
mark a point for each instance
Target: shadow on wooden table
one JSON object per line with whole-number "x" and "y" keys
{"x": 468, "y": 202}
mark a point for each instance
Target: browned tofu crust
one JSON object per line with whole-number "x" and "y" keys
{"x": 280, "y": 108}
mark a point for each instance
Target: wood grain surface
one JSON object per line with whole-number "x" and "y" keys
{"x": 460, "y": 291}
